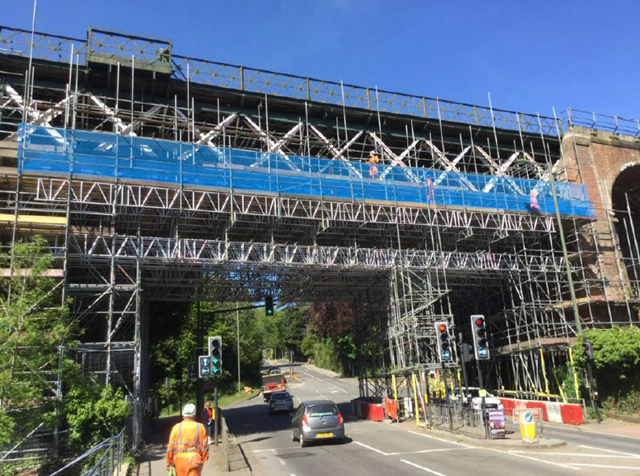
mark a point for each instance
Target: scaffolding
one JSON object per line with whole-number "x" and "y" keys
{"x": 156, "y": 177}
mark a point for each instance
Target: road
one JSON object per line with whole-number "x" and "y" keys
{"x": 378, "y": 448}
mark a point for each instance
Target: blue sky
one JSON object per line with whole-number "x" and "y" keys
{"x": 531, "y": 55}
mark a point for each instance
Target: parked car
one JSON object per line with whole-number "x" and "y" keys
{"x": 280, "y": 402}
{"x": 317, "y": 420}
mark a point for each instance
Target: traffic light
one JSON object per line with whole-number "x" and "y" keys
{"x": 480, "y": 341}
{"x": 215, "y": 351}
{"x": 268, "y": 306}
{"x": 587, "y": 346}
{"x": 204, "y": 366}
{"x": 445, "y": 353}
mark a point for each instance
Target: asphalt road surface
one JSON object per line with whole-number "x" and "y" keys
{"x": 382, "y": 449}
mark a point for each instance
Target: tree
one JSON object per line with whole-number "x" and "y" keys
{"x": 34, "y": 325}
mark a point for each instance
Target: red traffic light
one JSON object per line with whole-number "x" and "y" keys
{"x": 480, "y": 321}
{"x": 442, "y": 327}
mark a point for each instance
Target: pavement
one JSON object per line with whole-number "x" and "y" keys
{"x": 152, "y": 460}
{"x": 265, "y": 446}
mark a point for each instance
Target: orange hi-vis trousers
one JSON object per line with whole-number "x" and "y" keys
{"x": 188, "y": 448}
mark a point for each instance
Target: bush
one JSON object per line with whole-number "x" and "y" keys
{"x": 93, "y": 414}
{"x": 617, "y": 366}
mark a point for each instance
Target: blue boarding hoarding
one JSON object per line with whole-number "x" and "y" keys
{"x": 111, "y": 156}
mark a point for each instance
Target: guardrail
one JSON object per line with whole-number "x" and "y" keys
{"x": 110, "y": 456}
{"x": 115, "y": 46}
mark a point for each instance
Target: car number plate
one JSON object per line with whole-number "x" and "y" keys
{"x": 324, "y": 435}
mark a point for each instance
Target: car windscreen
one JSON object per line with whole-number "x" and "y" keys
{"x": 279, "y": 396}
{"x": 323, "y": 409}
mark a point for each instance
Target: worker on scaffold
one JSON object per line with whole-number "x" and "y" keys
{"x": 188, "y": 446}
{"x": 373, "y": 162}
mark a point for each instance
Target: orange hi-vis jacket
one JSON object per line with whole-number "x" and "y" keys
{"x": 188, "y": 448}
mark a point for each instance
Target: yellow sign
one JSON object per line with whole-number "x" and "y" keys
{"x": 482, "y": 393}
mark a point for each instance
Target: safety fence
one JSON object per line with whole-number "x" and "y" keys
{"x": 35, "y": 446}
{"x": 116, "y": 157}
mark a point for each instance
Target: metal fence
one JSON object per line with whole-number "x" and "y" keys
{"x": 457, "y": 418}
{"x": 37, "y": 445}
{"x": 105, "y": 459}
{"x": 112, "y": 47}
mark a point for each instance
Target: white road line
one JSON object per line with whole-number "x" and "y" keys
{"x": 282, "y": 462}
{"x": 421, "y": 467}
{"x": 539, "y": 460}
{"x": 603, "y": 466}
{"x": 441, "y": 439}
{"x": 582, "y": 455}
{"x": 433, "y": 451}
{"x": 274, "y": 449}
{"x": 372, "y": 448}
{"x": 609, "y": 451}
{"x": 592, "y": 431}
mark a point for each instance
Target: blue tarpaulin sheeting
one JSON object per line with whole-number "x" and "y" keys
{"x": 97, "y": 154}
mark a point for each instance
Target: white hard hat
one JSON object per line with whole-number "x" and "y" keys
{"x": 189, "y": 410}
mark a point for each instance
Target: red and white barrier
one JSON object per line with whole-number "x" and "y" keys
{"x": 368, "y": 410}
{"x": 557, "y": 412}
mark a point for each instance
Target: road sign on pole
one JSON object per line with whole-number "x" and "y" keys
{"x": 204, "y": 366}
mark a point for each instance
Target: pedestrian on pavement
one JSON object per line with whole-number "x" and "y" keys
{"x": 207, "y": 419}
{"x": 188, "y": 447}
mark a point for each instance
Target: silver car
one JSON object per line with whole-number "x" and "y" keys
{"x": 280, "y": 402}
{"x": 317, "y": 420}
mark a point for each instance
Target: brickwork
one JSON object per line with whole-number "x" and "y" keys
{"x": 596, "y": 159}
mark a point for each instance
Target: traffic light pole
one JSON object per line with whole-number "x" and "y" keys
{"x": 200, "y": 385}
{"x": 483, "y": 405}
{"x": 572, "y": 290}
{"x": 217, "y": 420}
{"x": 446, "y": 398}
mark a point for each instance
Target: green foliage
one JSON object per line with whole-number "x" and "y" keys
{"x": 175, "y": 333}
{"x": 309, "y": 344}
{"x": 617, "y": 366}
{"x": 33, "y": 326}
{"x": 327, "y": 356}
{"x": 94, "y": 413}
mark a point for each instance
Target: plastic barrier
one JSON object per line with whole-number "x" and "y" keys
{"x": 111, "y": 156}
{"x": 557, "y": 412}
{"x": 572, "y": 414}
{"x": 369, "y": 410}
{"x": 391, "y": 408}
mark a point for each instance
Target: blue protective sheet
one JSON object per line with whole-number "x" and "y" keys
{"x": 107, "y": 155}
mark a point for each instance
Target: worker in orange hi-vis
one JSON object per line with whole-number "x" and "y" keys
{"x": 188, "y": 446}
{"x": 373, "y": 161}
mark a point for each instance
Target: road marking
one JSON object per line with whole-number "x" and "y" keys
{"x": 555, "y": 427}
{"x": 441, "y": 439}
{"x": 603, "y": 466}
{"x": 609, "y": 451}
{"x": 372, "y": 448}
{"x": 421, "y": 467}
{"x": 539, "y": 460}
{"x": 582, "y": 455}
{"x": 282, "y": 462}
{"x": 433, "y": 451}
{"x": 274, "y": 449}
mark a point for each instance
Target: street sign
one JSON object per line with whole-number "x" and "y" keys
{"x": 522, "y": 415}
{"x": 192, "y": 370}
{"x": 204, "y": 366}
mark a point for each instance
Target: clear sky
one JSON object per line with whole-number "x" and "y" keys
{"x": 531, "y": 55}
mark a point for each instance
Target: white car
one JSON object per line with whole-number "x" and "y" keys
{"x": 475, "y": 401}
